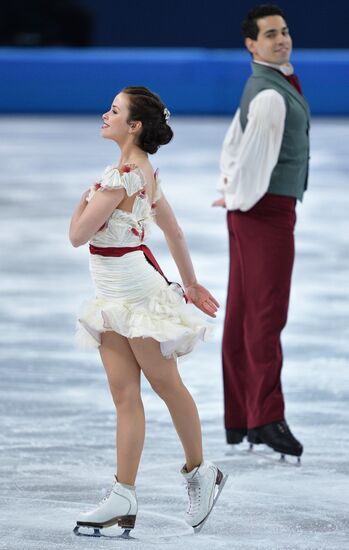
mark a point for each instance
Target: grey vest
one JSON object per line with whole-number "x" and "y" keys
{"x": 290, "y": 175}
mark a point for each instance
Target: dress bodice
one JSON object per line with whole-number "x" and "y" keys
{"x": 126, "y": 228}
{"x": 132, "y": 298}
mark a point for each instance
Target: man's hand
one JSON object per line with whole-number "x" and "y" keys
{"x": 219, "y": 202}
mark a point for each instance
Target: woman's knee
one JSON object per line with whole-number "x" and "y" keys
{"x": 165, "y": 385}
{"x": 128, "y": 395}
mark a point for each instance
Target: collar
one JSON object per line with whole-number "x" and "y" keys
{"x": 276, "y": 76}
{"x": 286, "y": 69}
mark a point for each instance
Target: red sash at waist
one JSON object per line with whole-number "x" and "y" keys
{"x": 122, "y": 250}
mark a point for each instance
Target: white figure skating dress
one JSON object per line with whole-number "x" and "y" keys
{"x": 132, "y": 297}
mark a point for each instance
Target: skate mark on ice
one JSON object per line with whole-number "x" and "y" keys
{"x": 176, "y": 524}
{"x": 102, "y": 532}
{"x": 275, "y": 457}
{"x": 97, "y": 533}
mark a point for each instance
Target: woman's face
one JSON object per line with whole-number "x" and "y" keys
{"x": 115, "y": 125}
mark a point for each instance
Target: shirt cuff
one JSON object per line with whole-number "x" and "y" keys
{"x": 224, "y": 183}
{"x": 230, "y": 201}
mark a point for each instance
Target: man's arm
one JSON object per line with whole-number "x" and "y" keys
{"x": 248, "y": 160}
{"x": 230, "y": 149}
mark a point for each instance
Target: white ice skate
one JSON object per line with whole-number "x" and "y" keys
{"x": 119, "y": 507}
{"x": 204, "y": 484}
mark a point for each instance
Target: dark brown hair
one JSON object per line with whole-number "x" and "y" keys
{"x": 250, "y": 27}
{"x": 147, "y": 107}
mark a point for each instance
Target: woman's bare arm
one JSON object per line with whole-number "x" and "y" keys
{"x": 196, "y": 294}
{"x": 88, "y": 218}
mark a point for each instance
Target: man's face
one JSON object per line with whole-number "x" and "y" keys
{"x": 273, "y": 44}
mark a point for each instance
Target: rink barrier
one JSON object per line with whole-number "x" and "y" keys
{"x": 190, "y": 81}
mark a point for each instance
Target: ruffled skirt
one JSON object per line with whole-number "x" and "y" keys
{"x": 134, "y": 300}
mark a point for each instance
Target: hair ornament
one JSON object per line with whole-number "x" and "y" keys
{"x": 167, "y": 114}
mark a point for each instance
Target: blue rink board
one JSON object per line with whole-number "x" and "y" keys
{"x": 190, "y": 81}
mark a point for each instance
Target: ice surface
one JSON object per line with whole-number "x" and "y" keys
{"x": 57, "y": 418}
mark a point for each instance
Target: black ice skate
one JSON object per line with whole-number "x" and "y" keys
{"x": 279, "y": 437}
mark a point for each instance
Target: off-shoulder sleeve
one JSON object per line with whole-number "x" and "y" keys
{"x": 91, "y": 193}
{"x": 128, "y": 178}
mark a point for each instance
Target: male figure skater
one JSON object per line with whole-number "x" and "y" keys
{"x": 264, "y": 170}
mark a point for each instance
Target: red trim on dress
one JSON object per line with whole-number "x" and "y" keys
{"x": 116, "y": 252}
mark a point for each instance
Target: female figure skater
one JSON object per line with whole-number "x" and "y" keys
{"x": 138, "y": 319}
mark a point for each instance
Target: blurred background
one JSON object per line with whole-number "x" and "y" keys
{"x": 182, "y": 24}
{"x": 72, "y": 55}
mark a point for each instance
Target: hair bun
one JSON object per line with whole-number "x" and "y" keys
{"x": 152, "y": 138}
{"x": 147, "y": 107}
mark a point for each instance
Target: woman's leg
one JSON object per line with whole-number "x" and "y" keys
{"x": 123, "y": 374}
{"x": 164, "y": 378}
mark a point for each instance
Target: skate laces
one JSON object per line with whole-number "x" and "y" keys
{"x": 194, "y": 494}
{"x": 107, "y": 493}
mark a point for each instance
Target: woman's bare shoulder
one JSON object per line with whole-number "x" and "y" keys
{"x": 147, "y": 171}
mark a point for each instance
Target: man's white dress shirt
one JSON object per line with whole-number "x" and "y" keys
{"x": 248, "y": 158}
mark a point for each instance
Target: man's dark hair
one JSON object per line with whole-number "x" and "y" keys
{"x": 250, "y": 27}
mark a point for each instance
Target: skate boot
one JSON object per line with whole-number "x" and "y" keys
{"x": 278, "y": 436}
{"x": 235, "y": 435}
{"x": 118, "y": 507}
{"x": 202, "y": 483}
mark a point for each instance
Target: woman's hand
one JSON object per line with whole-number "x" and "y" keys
{"x": 201, "y": 298}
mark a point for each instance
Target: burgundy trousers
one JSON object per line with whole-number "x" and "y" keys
{"x": 261, "y": 244}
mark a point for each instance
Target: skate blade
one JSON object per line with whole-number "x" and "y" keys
{"x": 97, "y": 533}
{"x": 198, "y": 528}
{"x": 272, "y": 456}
